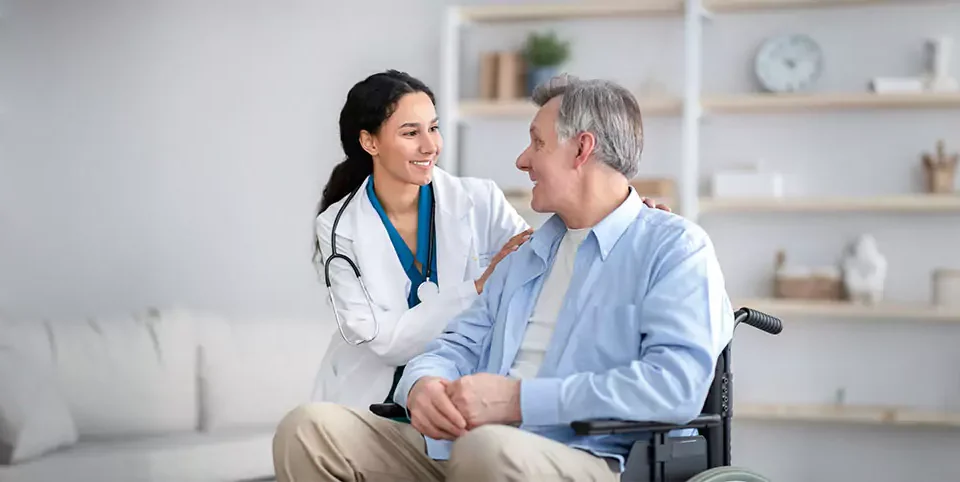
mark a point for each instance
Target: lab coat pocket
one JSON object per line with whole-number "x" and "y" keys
{"x": 616, "y": 334}
{"x": 484, "y": 259}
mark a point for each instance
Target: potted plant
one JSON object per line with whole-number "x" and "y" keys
{"x": 544, "y": 54}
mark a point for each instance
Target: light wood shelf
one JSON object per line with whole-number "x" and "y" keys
{"x": 649, "y": 106}
{"x": 641, "y": 8}
{"x": 534, "y": 12}
{"x": 843, "y": 309}
{"x": 755, "y": 5}
{"x": 760, "y": 103}
{"x": 740, "y": 103}
{"x": 903, "y": 203}
{"x": 873, "y": 415}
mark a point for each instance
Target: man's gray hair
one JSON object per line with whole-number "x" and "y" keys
{"x": 603, "y": 108}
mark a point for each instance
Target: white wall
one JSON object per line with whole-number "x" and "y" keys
{"x": 173, "y": 153}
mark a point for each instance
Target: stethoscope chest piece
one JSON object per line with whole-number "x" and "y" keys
{"x": 427, "y": 290}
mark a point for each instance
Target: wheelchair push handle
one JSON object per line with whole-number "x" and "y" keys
{"x": 759, "y": 320}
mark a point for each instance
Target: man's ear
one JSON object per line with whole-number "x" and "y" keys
{"x": 368, "y": 142}
{"x": 586, "y": 143}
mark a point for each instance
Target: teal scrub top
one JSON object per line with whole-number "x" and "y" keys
{"x": 424, "y": 209}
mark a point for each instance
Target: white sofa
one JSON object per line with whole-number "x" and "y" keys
{"x": 167, "y": 395}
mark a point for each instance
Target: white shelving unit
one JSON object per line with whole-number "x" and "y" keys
{"x": 693, "y": 104}
{"x": 690, "y": 108}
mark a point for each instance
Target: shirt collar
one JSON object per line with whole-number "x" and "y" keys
{"x": 607, "y": 232}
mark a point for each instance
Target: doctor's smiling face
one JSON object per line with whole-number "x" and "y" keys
{"x": 407, "y": 144}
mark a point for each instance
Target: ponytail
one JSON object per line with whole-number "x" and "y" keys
{"x": 346, "y": 176}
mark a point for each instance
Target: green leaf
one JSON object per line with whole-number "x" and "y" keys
{"x": 546, "y": 50}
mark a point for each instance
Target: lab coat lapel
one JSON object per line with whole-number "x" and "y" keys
{"x": 453, "y": 230}
{"x": 374, "y": 254}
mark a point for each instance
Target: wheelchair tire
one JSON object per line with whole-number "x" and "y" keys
{"x": 728, "y": 474}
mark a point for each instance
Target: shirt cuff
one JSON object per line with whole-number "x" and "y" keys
{"x": 410, "y": 377}
{"x": 540, "y": 401}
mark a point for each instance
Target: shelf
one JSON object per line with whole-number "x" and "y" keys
{"x": 649, "y": 106}
{"x": 904, "y": 203}
{"x": 846, "y": 414}
{"x": 758, "y": 103}
{"x": 748, "y": 5}
{"x": 640, "y": 8}
{"x": 739, "y": 103}
{"x": 518, "y": 13}
{"x": 842, "y": 309}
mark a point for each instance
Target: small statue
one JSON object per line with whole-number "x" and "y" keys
{"x": 864, "y": 271}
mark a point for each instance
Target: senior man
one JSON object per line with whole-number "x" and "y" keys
{"x": 611, "y": 310}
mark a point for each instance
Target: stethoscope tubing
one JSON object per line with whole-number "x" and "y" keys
{"x": 428, "y": 269}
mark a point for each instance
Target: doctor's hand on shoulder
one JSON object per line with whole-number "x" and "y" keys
{"x": 510, "y": 246}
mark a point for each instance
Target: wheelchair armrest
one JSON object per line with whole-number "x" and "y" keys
{"x": 609, "y": 427}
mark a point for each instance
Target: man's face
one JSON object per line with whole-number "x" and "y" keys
{"x": 549, "y": 163}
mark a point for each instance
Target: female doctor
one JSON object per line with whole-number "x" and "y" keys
{"x": 402, "y": 246}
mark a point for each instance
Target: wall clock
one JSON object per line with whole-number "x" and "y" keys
{"x": 788, "y": 63}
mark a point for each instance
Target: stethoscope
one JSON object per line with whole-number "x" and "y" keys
{"x": 426, "y": 291}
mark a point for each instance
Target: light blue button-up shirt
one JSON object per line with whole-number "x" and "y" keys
{"x": 637, "y": 337}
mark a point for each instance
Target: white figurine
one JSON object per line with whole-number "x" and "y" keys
{"x": 864, "y": 271}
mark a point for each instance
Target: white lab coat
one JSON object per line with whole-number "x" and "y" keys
{"x": 473, "y": 222}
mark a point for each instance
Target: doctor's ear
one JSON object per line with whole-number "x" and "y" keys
{"x": 368, "y": 142}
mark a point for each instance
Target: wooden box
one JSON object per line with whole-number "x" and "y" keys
{"x": 824, "y": 283}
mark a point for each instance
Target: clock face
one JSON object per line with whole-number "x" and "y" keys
{"x": 788, "y": 63}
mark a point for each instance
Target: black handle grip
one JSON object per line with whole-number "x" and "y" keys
{"x": 388, "y": 410}
{"x": 760, "y": 320}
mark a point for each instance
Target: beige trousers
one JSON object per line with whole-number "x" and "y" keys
{"x": 327, "y": 442}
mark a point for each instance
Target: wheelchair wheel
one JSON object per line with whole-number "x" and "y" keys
{"x": 728, "y": 474}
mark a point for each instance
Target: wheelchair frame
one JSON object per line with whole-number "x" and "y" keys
{"x": 662, "y": 458}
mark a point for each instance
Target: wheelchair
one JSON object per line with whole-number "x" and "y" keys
{"x": 657, "y": 456}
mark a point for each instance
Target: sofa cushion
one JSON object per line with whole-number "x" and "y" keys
{"x": 255, "y": 371}
{"x": 120, "y": 375}
{"x": 226, "y": 456}
{"x": 34, "y": 416}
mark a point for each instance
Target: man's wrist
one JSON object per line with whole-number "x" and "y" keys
{"x": 416, "y": 383}
{"x": 515, "y": 415}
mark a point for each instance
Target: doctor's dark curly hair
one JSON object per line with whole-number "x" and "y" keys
{"x": 369, "y": 103}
